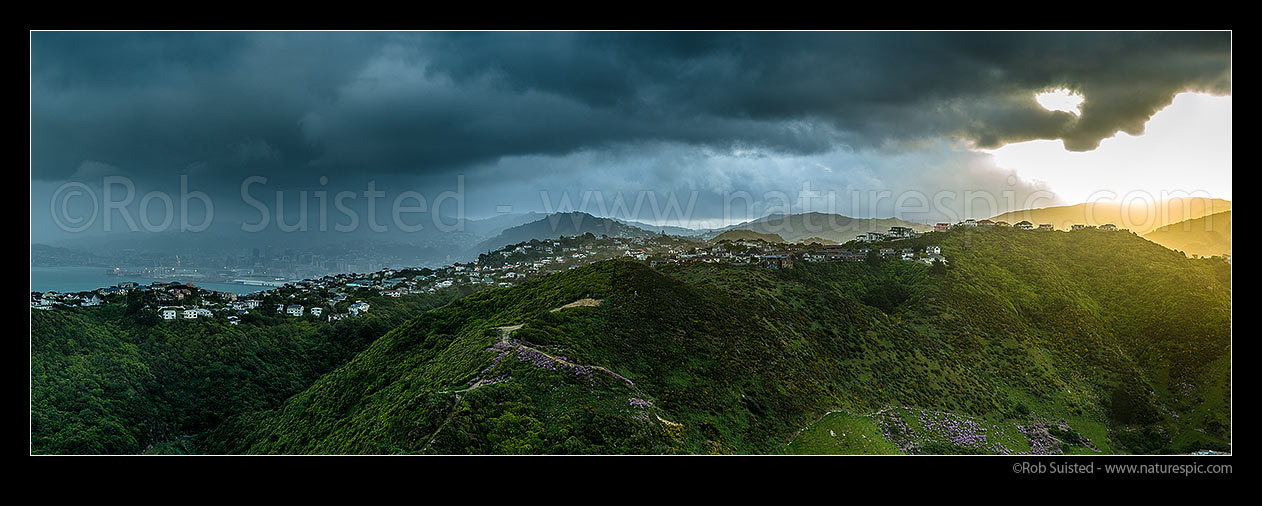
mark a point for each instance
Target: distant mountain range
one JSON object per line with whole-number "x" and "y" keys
{"x": 829, "y": 227}
{"x": 1205, "y": 236}
{"x": 666, "y": 229}
{"x": 556, "y": 225}
{"x": 1140, "y": 217}
{"x": 816, "y": 227}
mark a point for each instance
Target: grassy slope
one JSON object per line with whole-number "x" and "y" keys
{"x": 1091, "y": 327}
{"x": 1205, "y": 236}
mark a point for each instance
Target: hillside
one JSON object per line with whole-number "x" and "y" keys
{"x": 1063, "y": 342}
{"x": 1205, "y": 236}
{"x": 557, "y": 225}
{"x": 117, "y": 380}
{"x": 746, "y": 235}
{"x": 831, "y": 227}
{"x": 1140, "y": 217}
{"x": 663, "y": 229}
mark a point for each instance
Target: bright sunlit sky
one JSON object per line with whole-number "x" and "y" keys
{"x": 1185, "y": 147}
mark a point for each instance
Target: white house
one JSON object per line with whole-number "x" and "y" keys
{"x": 933, "y": 250}
{"x": 900, "y": 232}
{"x": 294, "y": 310}
{"x": 928, "y": 260}
{"x": 317, "y": 311}
{"x": 170, "y": 313}
{"x": 1025, "y": 225}
{"x": 358, "y": 308}
{"x": 190, "y": 314}
{"x": 1109, "y": 226}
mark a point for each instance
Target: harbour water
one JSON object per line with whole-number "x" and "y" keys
{"x": 78, "y": 279}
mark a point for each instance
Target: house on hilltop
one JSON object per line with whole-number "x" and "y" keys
{"x": 900, "y": 232}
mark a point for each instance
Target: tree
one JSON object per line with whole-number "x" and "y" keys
{"x": 874, "y": 257}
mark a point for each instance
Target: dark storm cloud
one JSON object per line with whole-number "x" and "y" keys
{"x": 299, "y": 103}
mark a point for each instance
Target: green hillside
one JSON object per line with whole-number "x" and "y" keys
{"x": 116, "y": 379}
{"x": 1055, "y": 342}
{"x": 1206, "y": 236}
{"x": 747, "y": 235}
{"x": 832, "y": 227}
{"x": 1139, "y": 216}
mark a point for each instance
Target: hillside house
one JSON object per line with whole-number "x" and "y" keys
{"x": 1046, "y": 227}
{"x": 775, "y": 261}
{"x": 900, "y": 232}
{"x": 170, "y": 313}
{"x": 933, "y": 250}
{"x": 317, "y": 311}
{"x": 294, "y": 310}
{"x": 928, "y": 260}
{"x": 1025, "y": 225}
{"x": 1109, "y": 226}
{"x": 941, "y": 227}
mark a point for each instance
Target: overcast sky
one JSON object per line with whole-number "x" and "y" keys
{"x": 520, "y": 121}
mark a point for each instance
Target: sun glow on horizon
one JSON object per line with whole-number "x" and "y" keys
{"x": 1185, "y": 150}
